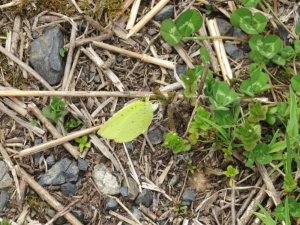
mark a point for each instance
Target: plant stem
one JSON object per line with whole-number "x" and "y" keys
{"x": 215, "y": 37}
{"x": 294, "y": 64}
{"x": 274, "y": 14}
{"x": 265, "y": 69}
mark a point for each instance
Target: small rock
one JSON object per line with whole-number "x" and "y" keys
{"x": 166, "y": 12}
{"x": 79, "y": 183}
{"x": 72, "y": 172}
{"x": 152, "y": 32}
{"x": 233, "y": 51}
{"x": 124, "y": 191}
{"x": 188, "y": 195}
{"x": 51, "y": 212}
{"x": 50, "y": 160}
{"x": 33, "y": 214}
{"x": 179, "y": 69}
{"x": 5, "y": 178}
{"x": 68, "y": 189}
{"x": 156, "y": 136}
{"x": 133, "y": 191}
{"x": 60, "y": 221}
{"x": 4, "y": 198}
{"x": 130, "y": 145}
{"x": 37, "y": 156}
{"x": 97, "y": 79}
{"x": 35, "y": 34}
{"x": 246, "y": 48}
{"x": 185, "y": 203}
{"x": 75, "y": 100}
{"x": 56, "y": 175}
{"x": 119, "y": 59}
{"x": 145, "y": 197}
{"x": 283, "y": 33}
{"x": 137, "y": 213}
{"x": 105, "y": 181}
{"x": 218, "y": 210}
{"x": 225, "y": 27}
{"x": 111, "y": 204}
{"x": 79, "y": 215}
{"x": 82, "y": 164}
{"x": 45, "y": 57}
{"x": 174, "y": 180}
{"x": 239, "y": 33}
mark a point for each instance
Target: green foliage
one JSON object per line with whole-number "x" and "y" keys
{"x": 187, "y": 23}
{"x": 72, "y": 123}
{"x": 181, "y": 210}
{"x": 289, "y": 183}
{"x": 266, "y": 218}
{"x": 199, "y": 124}
{"x": 243, "y": 19}
{"x": 231, "y": 172}
{"x": 33, "y": 122}
{"x": 298, "y": 29}
{"x": 291, "y": 206}
{"x": 191, "y": 168}
{"x": 257, "y": 84}
{"x": 62, "y": 51}
{"x": 5, "y": 222}
{"x": 204, "y": 55}
{"x": 259, "y": 154}
{"x": 222, "y": 96}
{"x": 208, "y": 9}
{"x": 266, "y": 49}
{"x": 257, "y": 112}
{"x": 56, "y": 110}
{"x": 248, "y": 135}
{"x": 295, "y": 81}
{"x": 250, "y": 3}
{"x": 82, "y": 142}
{"x": 190, "y": 82}
{"x": 173, "y": 140}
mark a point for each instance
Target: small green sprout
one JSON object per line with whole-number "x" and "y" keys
{"x": 181, "y": 210}
{"x": 33, "y": 122}
{"x": 82, "y": 143}
{"x": 62, "y": 51}
{"x": 56, "y": 110}
{"x": 231, "y": 172}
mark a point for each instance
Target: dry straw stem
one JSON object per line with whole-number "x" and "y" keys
{"x": 147, "y": 17}
{"x": 143, "y": 57}
{"x": 27, "y": 68}
{"x": 57, "y": 142}
{"x": 100, "y": 63}
{"x": 46, "y": 195}
{"x": 220, "y": 50}
{"x": 23, "y": 123}
{"x": 133, "y": 14}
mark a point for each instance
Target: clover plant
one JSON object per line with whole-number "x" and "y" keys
{"x": 243, "y": 19}
{"x": 259, "y": 154}
{"x": 257, "y": 84}
{"x": 231, "y": 172}
{"x": 290, "y": 207}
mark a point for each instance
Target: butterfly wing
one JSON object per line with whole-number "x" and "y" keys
{"x": 129, "y": 122}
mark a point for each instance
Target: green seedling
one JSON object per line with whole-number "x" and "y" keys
{"x": 266, "y": 218}
{"x": 56, "y": 110}
{"x": 222, "y": 96}
{"x": 191, "y": 168}
{"x": 199, "y": 124}
{"x": 72, "y": 123}
{"x": 257, "y": 84}
{"x": 180, "y": 144}
{"x": 257, "y": 111}
{"x": 259, "y": 154}
{"x": 249, "y": 135}
{"x": 290, "y": 207}
{"x": 243, "y": 19}
{"x": 181, "y": 210}
{"x": 62, "y": 51}
{"x": 190, "y": 82}
{"x": 82, "y": 142}
{"x": 208, "y": 9}
{"x": 231, "y": 172}
{"x": 5, "y": 222}
{"x": 298, "y": 29}
{"x": 227, "y": 151}
{"x": 289, "y": 183}
{"x": 33, "y": 122}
